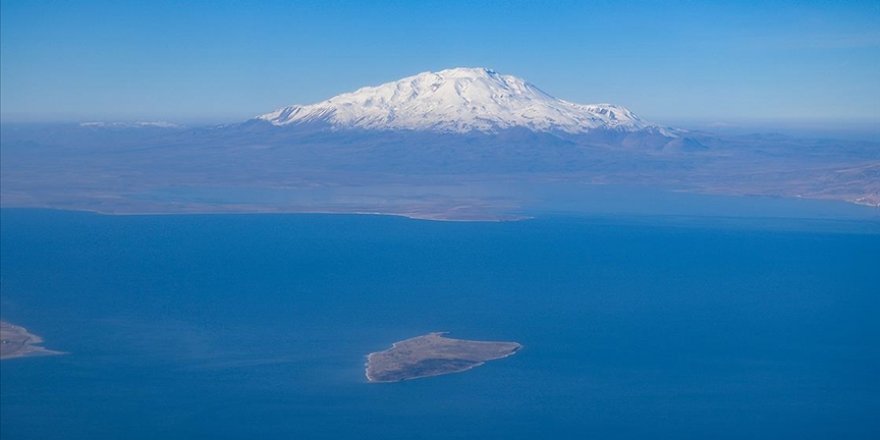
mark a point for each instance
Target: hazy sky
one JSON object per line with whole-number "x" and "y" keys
{"x": 215, "y": 60}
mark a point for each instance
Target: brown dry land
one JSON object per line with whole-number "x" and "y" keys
{"x": 16, "y": 342}
{"x": 433, "y": 355}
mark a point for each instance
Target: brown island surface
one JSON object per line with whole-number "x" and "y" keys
{"x": 433, "y": 355}
{"x": 16, "y": 342}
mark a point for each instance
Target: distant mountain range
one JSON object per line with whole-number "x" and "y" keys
{"x": 463, "y": 143}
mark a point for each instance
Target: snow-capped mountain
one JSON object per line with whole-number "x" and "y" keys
{"x": 458, "y": 100}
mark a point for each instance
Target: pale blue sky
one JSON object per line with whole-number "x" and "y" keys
{"x": 224, "y": 61}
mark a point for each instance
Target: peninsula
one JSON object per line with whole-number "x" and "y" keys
{"x": 16, "y": 342}
{"x": 433, "y": 355}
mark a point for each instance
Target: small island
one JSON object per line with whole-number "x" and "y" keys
{"x": 433, "y": 355}
{"x": 16, "y": 342}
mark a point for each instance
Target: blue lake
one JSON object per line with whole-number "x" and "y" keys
{"x": 257, "y": 326}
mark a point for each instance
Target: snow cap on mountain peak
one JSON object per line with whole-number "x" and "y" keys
{"x": 465, "y": 72}
{"x": 461, "y": 99}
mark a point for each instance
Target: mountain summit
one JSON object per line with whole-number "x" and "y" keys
{"x": 457, "y": 100}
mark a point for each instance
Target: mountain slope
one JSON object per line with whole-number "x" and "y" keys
{"x": 458, "y": 100}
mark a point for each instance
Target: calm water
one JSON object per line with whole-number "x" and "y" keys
{"x": 256, "y": 326}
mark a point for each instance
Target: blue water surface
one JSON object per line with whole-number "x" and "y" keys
{"x": 257, "y": 326}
